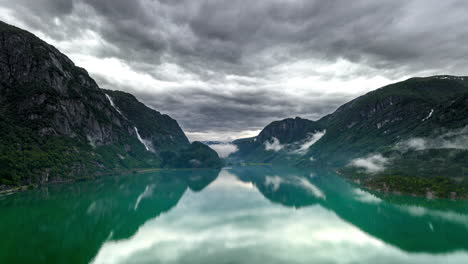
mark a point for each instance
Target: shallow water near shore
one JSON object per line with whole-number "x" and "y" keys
{"x": 234, "y": 215}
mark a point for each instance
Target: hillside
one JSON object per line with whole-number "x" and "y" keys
{"x": 56, "y": 123}
{"x": 415, "y": 128}
{"x": 418, "y": 107}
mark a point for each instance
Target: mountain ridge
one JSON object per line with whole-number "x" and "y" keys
{"x": 381, "y": 131}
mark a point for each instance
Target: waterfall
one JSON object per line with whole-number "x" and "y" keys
{"x": 144, "y": 142}
{"x": 429, "y": 116}
{"x": 113, "y": 105}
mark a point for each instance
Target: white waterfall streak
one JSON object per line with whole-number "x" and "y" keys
{"x": 112, "y": 104}
{"x": 429, "y": 115}
{"x": 144, "y": 142}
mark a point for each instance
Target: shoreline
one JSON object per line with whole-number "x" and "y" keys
{"x": 22, "y": 188}
{"x": 429, "y": 194}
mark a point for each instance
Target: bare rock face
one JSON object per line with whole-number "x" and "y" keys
{"x": 43, "y": 86}
{"x": 159, "y": 130}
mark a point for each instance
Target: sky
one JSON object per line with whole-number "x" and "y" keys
{"x": 224, "y": 69}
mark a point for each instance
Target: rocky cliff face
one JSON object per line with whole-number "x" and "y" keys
{"x": 43, "y": 89}
{"x": 161, "y": 131}
{"x": 56, "y": 123}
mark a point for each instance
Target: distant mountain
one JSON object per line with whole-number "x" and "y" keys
{"x": 214, "y": 142}
{"x": 279, "y": 140}
{"x": 388, "y": 131}
{"x": 57, "y": 124}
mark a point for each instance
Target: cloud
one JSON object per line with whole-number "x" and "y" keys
{"x": 314, "y": 190}
{"x": 225, "y": 136}
{"x": 299, "y": 147}
{"x": 412, "y": 144}
{"x": 366, "y": 197}
{"x": 273, "y": 145}
{"x": 455, "y": 139}
{"x": 371, "y": 164}
{"x": 273, "y": 181}
{"x": 449, "y": 216}
{"x": 202, "y": 229}
{"x": 224, "y": 150}
{"x": 235, "y": 66}
{"x": 312, "y": 139}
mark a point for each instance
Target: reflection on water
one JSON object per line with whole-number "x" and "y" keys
{"x": 236, "y": 215}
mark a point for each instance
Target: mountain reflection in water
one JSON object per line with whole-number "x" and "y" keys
{"x": 209, "y": 216}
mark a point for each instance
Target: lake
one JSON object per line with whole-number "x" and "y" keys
{"x": 250, "y": 214}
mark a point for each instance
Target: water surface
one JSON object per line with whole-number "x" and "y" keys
{"x": 235, "y": 215}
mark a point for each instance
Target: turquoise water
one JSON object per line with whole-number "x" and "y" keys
{"x": 235, "y": 215}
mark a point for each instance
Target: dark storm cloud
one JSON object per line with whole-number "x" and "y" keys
{"x": 214, "y": 34}
{"x": 228, "y": 30}
{"x": 237, "y": 111}
{"x": 214, "y": 39}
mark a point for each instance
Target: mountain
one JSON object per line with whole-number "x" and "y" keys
{"x": 418, "y": 107}
{"x": 279, "y": 141}
{"x": 418, "y": 127}
{"x": 56, "y": 123}
{"x": 160, "y": 131}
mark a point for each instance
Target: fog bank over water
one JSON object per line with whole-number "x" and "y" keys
{"x": 224, "y": 150}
